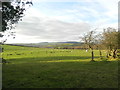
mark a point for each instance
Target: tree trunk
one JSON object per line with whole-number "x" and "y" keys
{"x": 92, "y": 55}
{"x": 114, "y": 53}
{"x": 118, "y": 53}
{"x": 108, "y": 54}
{"x": 100, "y": 54}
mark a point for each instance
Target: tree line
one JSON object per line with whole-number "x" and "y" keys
{"x": 108, "y": 40}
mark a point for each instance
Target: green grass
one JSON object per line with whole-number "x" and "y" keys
{"x": 56, "y": 68}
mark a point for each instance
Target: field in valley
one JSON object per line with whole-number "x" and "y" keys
{"x": 31, "y": 67}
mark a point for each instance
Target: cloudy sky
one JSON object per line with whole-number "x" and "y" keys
{"x": 64, "y": 20}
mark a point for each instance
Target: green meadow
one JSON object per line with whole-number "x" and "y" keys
{"x": 30, "y": 67}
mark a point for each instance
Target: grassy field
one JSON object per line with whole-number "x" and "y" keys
{"x": 30, "y": 67}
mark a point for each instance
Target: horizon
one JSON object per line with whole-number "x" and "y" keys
{"x": 45, "y": 42}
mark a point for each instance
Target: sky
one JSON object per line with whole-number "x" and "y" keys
{"x": 64, "y": 20}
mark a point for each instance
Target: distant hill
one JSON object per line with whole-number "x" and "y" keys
{"x": 50, "y": 44}
{"x": 69, "y": 42}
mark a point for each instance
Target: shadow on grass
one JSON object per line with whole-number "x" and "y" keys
{"x": 56, "y": 58}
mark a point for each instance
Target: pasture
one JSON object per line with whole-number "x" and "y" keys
{"x": 31, "y": 67}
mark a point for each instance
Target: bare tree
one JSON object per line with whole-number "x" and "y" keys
{"x": 89, "y": 39}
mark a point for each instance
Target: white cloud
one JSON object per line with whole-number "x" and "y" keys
{"x": 38, "y": 27}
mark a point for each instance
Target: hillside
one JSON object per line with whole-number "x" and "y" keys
{"x": 51, "y": 44}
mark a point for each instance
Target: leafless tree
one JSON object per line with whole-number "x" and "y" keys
{"x": 89, "y": 39}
